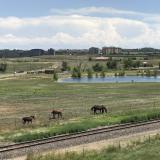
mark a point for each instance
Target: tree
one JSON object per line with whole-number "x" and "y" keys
{"x": 155, "y": 73}
{"x": 112, "y": 64}
{"x": 65, "y": 66}
{"x": 148, "y": 73}
{"x": 3, "y": 67}
{"x": 79, "y": 74}
{"x": 55, "y": 76}
{"x": 103, "y": 74}
{"x": 136, "y": 64}
{"x": 89, "y": 73}
{"x": 128, "y": 63}
{"x": 76, "y": 73}
{"x": 96, "y": 75}
{"x": 90, "y": 59}
{"x": 98, "y": 67}
{"x": 121, "y": 73}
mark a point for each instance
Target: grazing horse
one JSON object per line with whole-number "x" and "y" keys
{"x": 58, "y": 113}
{"x": 28, "y": 119}
{"x": 101, "y": 108}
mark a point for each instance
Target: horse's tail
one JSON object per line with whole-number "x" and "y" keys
{"x": 92, "y": 110}
{"x": 105, "y": 109}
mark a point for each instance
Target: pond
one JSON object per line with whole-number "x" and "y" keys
{"x": 110, "y": 79}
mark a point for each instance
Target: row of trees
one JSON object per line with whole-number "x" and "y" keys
{"x": 114, "y": 64}
{"x": 3, "y": 67}
{"x": 25, "y": 53}
{"x": 148, "y": 73}
{"x": 90, "y": 73}
{"x": 99, "y": 69}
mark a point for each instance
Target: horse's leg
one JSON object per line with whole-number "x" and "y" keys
{"x": 102, "y": 110}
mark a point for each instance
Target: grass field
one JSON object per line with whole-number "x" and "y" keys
{"x": 39, "y": 94}
{"x": 41, "y": 62}
{"x": 28, "y": 96}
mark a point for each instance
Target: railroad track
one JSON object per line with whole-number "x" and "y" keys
{"x": 39, "y": 142}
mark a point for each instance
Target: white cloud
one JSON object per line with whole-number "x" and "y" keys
{"x": 80, "y": 31}
{"x": 96, "y": 10}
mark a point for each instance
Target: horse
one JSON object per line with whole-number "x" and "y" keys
{"x": 101, "y": 108}
{"x": 28, "y": 119}
{"x": 56, "y": 112}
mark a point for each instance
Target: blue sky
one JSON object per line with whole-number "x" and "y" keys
{"x": 25, "y": 8}
{"x": 58, "y": 24}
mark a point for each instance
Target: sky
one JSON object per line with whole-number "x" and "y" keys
{"x": 78, "y": 24}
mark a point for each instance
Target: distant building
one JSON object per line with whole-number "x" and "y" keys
{"x": 51, "y": 51}
{"x": 111, "y": 50}
{"x": 71, "y": 51}
{"x": 94, "y": 50}
{"x": 36, "y": 52}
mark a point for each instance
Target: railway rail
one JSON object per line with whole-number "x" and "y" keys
{"x": 29, "y": 144}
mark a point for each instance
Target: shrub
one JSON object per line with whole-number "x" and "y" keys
{"x": 55, "y": 76}
{"x": 98, "y": 67}
{"x": 96, "y": 75}
{"x": 89, "y": 73}
{"x": 112, "y": 64}
{"x": 77, "y": 73}
{"x": 102, "y": 74}
{"x": 65, "y": 66}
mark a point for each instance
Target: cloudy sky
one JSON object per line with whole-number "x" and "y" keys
{"x": 26, "y": 24}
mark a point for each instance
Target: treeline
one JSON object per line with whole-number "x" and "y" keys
{"x": 117, "y": 66}
{"x": 6, "y": 53}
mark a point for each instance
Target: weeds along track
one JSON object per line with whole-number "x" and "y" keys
{"x": 24, "y": 148}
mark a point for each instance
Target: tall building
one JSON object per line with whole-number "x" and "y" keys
{"x": 111, "y": 50}
{"x": 51, "y": 51}
{"x": 94, "y": 50}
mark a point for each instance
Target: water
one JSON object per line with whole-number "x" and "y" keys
{"x": 111, "y": 79}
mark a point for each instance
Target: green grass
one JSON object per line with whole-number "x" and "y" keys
{"x": 82, "y": 125}
{"x": 147, "y": 150}
{"x": 36, "y": 95}
{"x": 28, "y": 96}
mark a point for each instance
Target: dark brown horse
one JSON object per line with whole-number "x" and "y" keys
{"x": 56, "y": 113}
{"x": 99, "y": 109}
{"x": 28, "y": 119}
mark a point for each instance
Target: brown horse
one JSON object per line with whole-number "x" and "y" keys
{"x": 100, "y": 108}
{"x": 28, "y": 119}
{"x": 56, "y": 113}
